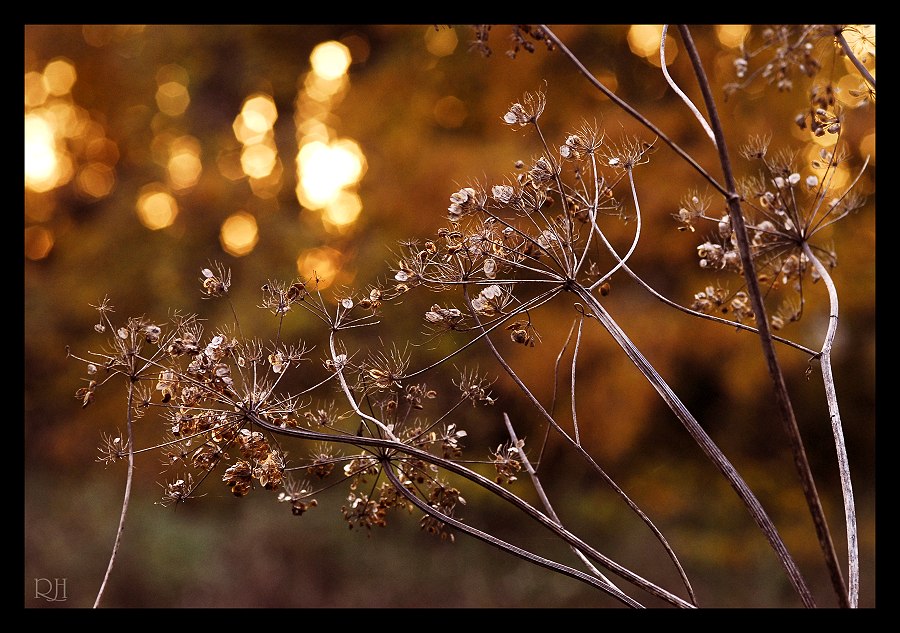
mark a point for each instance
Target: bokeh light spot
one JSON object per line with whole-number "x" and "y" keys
{"x": 41, "y": 161}
{"x": 35, "y": 89}
{"x": 156, "y": 208}
{"x": 321, "y": 263}
{"x": 184, "y": 166}
{"x": 343, "y": 210}
{"x": 732, "y": 35}
{"x": 258, "y": 160}
{"x": 239, "y": 234}
{"x": 326, "y": 169}
{"x": 259, "y": 113}
{"x": 330, "y": 60}
{"x": 643, "y": 39}
{"x": 59, "y": 77}
{"x": 440, "y": 42}
{"x": 861, "y": 38}
{"x": 96, "y": 180}
{"x": 323, "y": 89}
{"x": 172, "y": 98}
{"x": 867, "y": 147}
{"x": 38, "y": 242}
{"x": 450, "y": 112}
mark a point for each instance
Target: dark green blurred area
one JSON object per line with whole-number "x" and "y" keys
{"x": 219, "y": 551}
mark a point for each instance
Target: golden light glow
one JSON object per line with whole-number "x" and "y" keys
{"x": 260, "y": 113}
{"x": 59, "y": 77}
{"x": 342, "y": 211}
{"x": 229, "y": 163}
{"x": 239, "y": 234}
{"x": 324, "y": 90}
{"x": 861, "y": 38}
{"x": 38, "y": 242}
{"x": 156, "y": 208}
{"x": 41, "y": 161}
{"x": 321, "y": 263}
{"x": 838, "y": 178}
{"x": 314, "y": 129}
{"x": 326, "y": 169}
{"x": 440, "y": 42}
{"x": 172, "y": 98}
{"x": 643, "y": 39}
{"x": 96, "y": 180}
{"x": 330, "y": 60}
{"x": 244, "y": 132}
{"x": 100, "y": 148}
{"x": 68, "y": 120}
{"x": 732, "y": 35}
{"x": 258, "y": 160}
{"x": 256, "y": 119}
{"x": 450, "y": 112}
{"x": 184, "y": 166}
{"x": 35, "y": 90}
{"x": 253, "y": 127}
{"x": 845, "y": 84}
{"x": 867, "y": 147}
{"x": 269, "y": 186}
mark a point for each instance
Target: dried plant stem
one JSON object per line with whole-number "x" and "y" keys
{"x": 781, "y": 395}
{"x": 531, "y": 557}
{"x": 845, "y": 46}
{"x": 339, "y": 370}
{"x": 679, "y": 91}
{"x": 837, "y": 430}
{"x": 548, "y": 507}
{"x": 704, "y": 442}
{"x": 587, "y": 457}
{"x": 396, "y": 447}
{"x": 128, "y": 479}
{"x": 630, "y": 110}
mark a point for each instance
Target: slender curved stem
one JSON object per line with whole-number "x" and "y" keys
{"x": 837, "y": 431}
{"x": 128, "y": 479}
{"x": 630, "y": 110}
{"x": 531, "y": 557}
{"x": 781, "y": 394}
{"x": 679, "y": 91}
{"x": 705, "y": 443}
{"x": 491, "y": 486}
{"x": 587, "y": 457}
{"x": 854, "y": 59}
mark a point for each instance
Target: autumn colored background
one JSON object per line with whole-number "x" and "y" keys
{"x": 151, "y": 151}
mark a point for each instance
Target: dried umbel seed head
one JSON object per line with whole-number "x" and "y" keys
{"x": 216, "y": 284}
{"x": 503, "y": 193}
{"x": 463, "y": 202}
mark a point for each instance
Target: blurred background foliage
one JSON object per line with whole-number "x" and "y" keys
{"x": 277, "y": 150}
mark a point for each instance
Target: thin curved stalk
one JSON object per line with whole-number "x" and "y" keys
{"x": 509, "y": 548}
{"x": 854, "y": 59}
{"x": 488, "y": 484}
{"x": 128, "y": 479}
{"x": 548, "y": 507}
{"x": 572, "y": 395}
{"x": 705, "y": 443}
{"x": 679, "y": 91}
{"x": 837, "y": 430}
{"x": 630, "y": 110}
{"x": 339, "y": 370}
{"x": 781, "y": 394}
{"x": 587, "y": 457}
